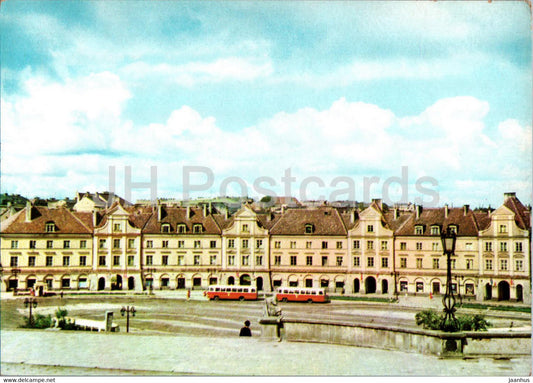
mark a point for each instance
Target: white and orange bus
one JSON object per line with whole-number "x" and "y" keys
{"x": 216, "y": 292}
{"x": 301, "y": 294}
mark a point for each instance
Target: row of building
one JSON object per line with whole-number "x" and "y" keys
{"x": 375, "y": 250}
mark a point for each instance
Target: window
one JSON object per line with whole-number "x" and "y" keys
{"x": 488, "y": 264}
{"x": 419, "y": 230}
{"x": 488, "y": 246}
{"x": 308, "y": 244}
{"x": 277, "y": 244}
{"x": 503, "y": 246}
{"x": 309, "y": 260}
{"x": 469, "y": 289}
{"x": 308, "y": 228}
{"x": 102, "y": 244}
{"x": 149, "y": 244}
{"x": 419, "y": 287}
{"x": 370, "y": 245}
{"x": 277, "y": 260}
{"x": 434, "y": 246}
{"x": 50, "y": 227}
{"x": 293, "y": 244}
{"x": 116, "y": 227}
{"x": 419, "y": 263}
{"x": 149, "y": 260}
{"x": 503, "y": 228}
{"x": 164, "y": 260}
{"x": 165, "y": 228}
{"x": 181, "y": 244}
{"x": 370, "y": 228}
{"x": 453, "y": 228}
{"x": 518, "y": 247}
{"x": 468, "y": 246}
{"x": 14, "y": 262}
{"x": 131, "y": 259}
{"x": 258, "y": 243}
{"x": 384, "y": 245}
{"x": 403, "y": 286}
{"x": 403, "y": 245}
{"x": 66, "y": 244}
{"x": 31, "y": 261}
{"x": 339, "y": 244}
{"x": 435, "y": 263}
{"x": 309, "y": 283}
{"x": 196, "y": 260}
{"x": 65, "y": 283}
{"x": 519, "y": 265}
{"x": 213, "y": 244}
{"x": 231, "y": 243}
{"x": 231, "y": 260}
{"x": 356, "y": 244}
{"x": 197, "y": 228}
{"x": 181, "y": 260}
{"x": 116, "y": 260}
{"x": 131, "y": 243}
{"x": 83, "y": 260}
{"x": 259, "y": 260}
{"x": 212, "y": 260}
{"x": 244, "y": 243}
{"x": 245, "y": 260}
{"x": 101, "y": 260}
{"x": 339, "y": 261}
{"x": 49, "y": 260}
{"x": 452, "y": 263}
{"x": 469, "y": 264}
{"x": 435, "y": 230}
{"x": 356, "y": 261}
{"x": 403, "y": 263}
{"x": 503, "y": 264}
{"x": 324, "y": 244}
{"x": 14, "y": 244}
{"x": 182, "y": 228}
{"x": 245, "y": 228}
{"x": 324, "y": 261}
{"x": 116, "y": 243}
{"x": 197, "y": 244}
{"x": 293, "y": 260}
{"x": 49, "y": 244}
{"x": 384, "y": 262}
{"x": 83, "y": 244}
{"x": 370, "y": 262}
{"x": 33, "y": 244}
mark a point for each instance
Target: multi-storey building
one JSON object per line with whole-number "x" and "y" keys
{"x": 374, "y": 251}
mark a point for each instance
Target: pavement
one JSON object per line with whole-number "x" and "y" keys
{"x": 65, "y": 353}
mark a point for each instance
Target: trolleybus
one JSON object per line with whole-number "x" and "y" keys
{"x": 216, "y": 292}
{"x": 301, "y": 294}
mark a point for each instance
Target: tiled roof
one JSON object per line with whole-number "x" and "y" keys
{"x": 178, "y": 215}
{"x": 65, "y": 222}
{"x": 522, "y": 214}
{"x": 325, "y": 221}
{"x": 466, "y": 225}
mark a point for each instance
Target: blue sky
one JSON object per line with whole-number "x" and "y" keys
{"x": 250, "y": 89}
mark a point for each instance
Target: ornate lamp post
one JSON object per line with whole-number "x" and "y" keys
{"x": 31, "y": 303}
{"x": 127, "y": 310}
{"x": 449, "y": 322}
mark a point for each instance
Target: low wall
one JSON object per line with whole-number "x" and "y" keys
{"x": 462, "y": 344}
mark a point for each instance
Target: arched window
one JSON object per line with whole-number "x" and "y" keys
{"x": 165, "y": 228}
{"x": 50, "y": 227}
{"x": 182, "y": 228}
{"x": 309, "y": 228}
{"x": 197, "y": 228}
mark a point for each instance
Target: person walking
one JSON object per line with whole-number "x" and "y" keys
{"x": 245, "y": 331}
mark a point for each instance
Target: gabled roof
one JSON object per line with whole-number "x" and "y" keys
{"x": 522, "y": 214}
{"x": 325, "y": 221}
{"x": 175, "y": 216}
{"x": 466, "y": 226}
{"x": 65, "y": 222}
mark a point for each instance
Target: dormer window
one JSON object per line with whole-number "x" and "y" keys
{"x": 419, "y": 229}
{"x": 117, "y": 227}
{"x": 182, "y": 228}
{"x": 165, "y": 228}
{"x": 453, "y": 228}
{"x": 435, "y": 230}
{"x": 309, "y": 228}
{"x": 245, "y": 228}
{"x": 197, "y": 228}
{"x": 50, "y": 227}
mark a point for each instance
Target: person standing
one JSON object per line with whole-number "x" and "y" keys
{"x": 245, "y": 331}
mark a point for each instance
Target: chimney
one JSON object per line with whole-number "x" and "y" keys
{"x": 94, "y": 218}
{"x": 283, "y": 208}
{"x": 378, "y": 202}
{"x": 159, "y": 211}
{"x": 508, "y": 195}
{"x": 418, "y": 209}
{"x": 446, "y": 211}
{"x": 396, "y": 213}
{"x": 226, "y": 213}
{"x": 188, "y": 212}
{"x": 210, "y": 208}
{"x": 205, "y": 210}
{"x": 28, "y": 211}
{"x": 465, "y": 209}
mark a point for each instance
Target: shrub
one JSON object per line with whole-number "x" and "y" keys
{"x": 429, "y": 319}
{"x": 39, "y": 321}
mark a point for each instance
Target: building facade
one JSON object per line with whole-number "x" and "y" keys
{"x": 376, "y": 250}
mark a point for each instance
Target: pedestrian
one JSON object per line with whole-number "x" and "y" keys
{"x": 188, "y": 294}
{"x": 61, "y": 294}
{"x": 245, "y": 331}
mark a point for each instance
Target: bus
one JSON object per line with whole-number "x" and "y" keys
{"x": 216, "y": 292}
{"x": 301, "y": 294}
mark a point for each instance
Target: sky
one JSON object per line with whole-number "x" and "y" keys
{"x": 427, "y": 102}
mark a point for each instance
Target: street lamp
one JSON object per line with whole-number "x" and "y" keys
{"x": 31, "y": 303}
{"x": 127, "y": 310}
{"x": 449, "y": 323}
